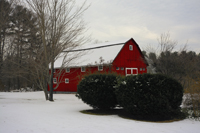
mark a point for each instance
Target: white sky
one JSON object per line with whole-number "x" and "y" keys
{"x": 144, "y": 21}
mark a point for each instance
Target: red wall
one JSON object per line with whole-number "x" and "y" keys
{"x": 74, "y": 76}
{"x": 125, "y": 59}
{"x": 131, "y": 58}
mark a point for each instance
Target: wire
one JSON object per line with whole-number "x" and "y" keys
{"x": 94, "y": 47}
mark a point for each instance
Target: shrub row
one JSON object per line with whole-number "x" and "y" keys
{"x": 143, "y": 95}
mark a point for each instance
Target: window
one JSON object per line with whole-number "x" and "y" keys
{"x": 131, "y": 71}
{"x": 140, "y": 69}
{"x": 122, "y": 68}
{"x": 67, "y": 70}
{"x": 100, "y": 68}
{"x": 54, "y": 80}
{"x": 143, "y": 69}
{"x": 117, "y": 68}
{"x": 82, "y": 69}
{"x": 66, "y": 80}
{"x": 130, "y": 47}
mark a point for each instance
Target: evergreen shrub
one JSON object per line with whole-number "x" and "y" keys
{"x": 97, "y": 90}
{"x": 149, "y": 95}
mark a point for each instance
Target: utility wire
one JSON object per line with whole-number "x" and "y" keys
{"x": 93, "y": 47}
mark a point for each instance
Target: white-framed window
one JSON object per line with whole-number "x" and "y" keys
{"x": 67, "y": 70}
{"x": 117, "y": 68}
{"x": 55, "y": 80}
{"x": 100, "y": 68}
{"x": 131, "y": 47}
{"x": 66, "y": 80}
{"x": 122, "y": 68}
{"x": 82, "y": 69}
{"x": 131, "y": 71}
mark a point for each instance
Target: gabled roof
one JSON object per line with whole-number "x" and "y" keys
{"x": 90, "y": 54}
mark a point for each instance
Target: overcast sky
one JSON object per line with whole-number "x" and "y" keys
{"x": 144, "y": 21}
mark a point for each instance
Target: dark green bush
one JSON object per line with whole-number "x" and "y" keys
{"x": 150, "y": 95}
{"x": 97, "y": 90}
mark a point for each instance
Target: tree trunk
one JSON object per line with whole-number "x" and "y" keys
{"x": 46, "y": 94}
{"x": 51, "y": 83}
{"x": 18, "y": 83}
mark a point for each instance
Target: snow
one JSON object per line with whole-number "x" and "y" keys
{"x": 26, "y": 112}
{"x": 87, "y": 57}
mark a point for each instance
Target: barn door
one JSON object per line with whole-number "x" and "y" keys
{"x": 131, "y": 71}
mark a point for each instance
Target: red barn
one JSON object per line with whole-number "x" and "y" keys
{"x": 124, "y": 58}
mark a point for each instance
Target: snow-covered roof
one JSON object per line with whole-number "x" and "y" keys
{"x": 90, "y": 54}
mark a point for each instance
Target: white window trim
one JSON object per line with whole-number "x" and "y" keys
{"x": 67, "y": 82}
{"x": 131, "y": 47}
{"x": 82, "y": 69}
{"x": 131, "y": 71}
{"x": 99, "y": 68}
{"x": 55, "y": 80}
{"x": 67, "y": 70}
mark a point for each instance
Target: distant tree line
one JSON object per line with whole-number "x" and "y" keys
{"x": 179, "y": 65}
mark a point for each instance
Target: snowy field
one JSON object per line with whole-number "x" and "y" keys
{"x": 28, "y": 112}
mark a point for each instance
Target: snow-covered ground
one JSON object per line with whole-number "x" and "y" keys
{"x": 28, "y": 112}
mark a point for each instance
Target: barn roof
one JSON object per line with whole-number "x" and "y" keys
{"x": 90, "y": 54}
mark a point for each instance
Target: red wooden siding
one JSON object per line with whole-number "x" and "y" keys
{"x": 131, "y": 58}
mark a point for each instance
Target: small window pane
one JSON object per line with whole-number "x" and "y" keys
{"x": 130, "y": 47}
{"x": 67, "y": 70}
{"x": 100, "y": 68}
{"x": 117, "y": 68}
{"x": 82, "y": 69}
{"x": 66, "y": 80}
{"x": 54, "y": 80}
{"x": 140, "y": 69}
{"x": 122, "y": 68}
{"x": 143, "y": 69}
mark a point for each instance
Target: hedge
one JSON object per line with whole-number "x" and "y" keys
{"x": 97, "y": 90}
{"x": 150, "y": 95}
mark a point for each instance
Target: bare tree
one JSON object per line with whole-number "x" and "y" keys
{"x": 61, "y": 27}
{"x": 166, "y": 43}
{"x": 165, "y": 46}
